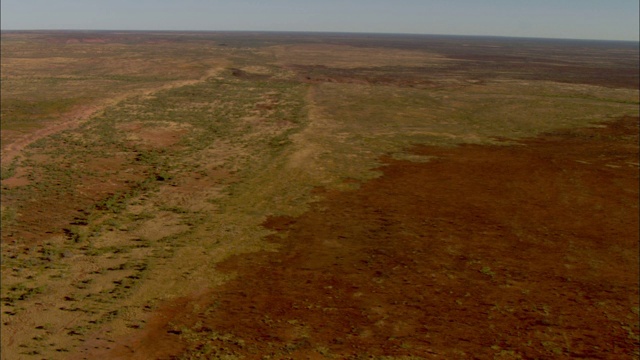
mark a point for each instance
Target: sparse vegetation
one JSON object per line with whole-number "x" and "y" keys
{"x": 130, "y": 176}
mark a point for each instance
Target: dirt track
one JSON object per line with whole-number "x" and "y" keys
{"x": 527, "y": 250}
{"x": 12, "y": 147}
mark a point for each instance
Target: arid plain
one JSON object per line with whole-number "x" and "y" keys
{"x": 307, "y": 196}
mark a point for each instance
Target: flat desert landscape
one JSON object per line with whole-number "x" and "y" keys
{"x": 256, "y": 195}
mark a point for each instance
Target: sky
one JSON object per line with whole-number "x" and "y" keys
{"x": 570, "y": 19}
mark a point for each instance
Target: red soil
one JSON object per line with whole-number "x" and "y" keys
{"x": 528, "y": 249}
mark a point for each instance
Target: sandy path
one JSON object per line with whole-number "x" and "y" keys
{"x": 83, "y": 113}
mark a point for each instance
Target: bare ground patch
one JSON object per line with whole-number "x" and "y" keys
{"x": 484, "y": 250}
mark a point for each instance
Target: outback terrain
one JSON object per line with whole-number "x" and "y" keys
{"x": 237, "y": 195}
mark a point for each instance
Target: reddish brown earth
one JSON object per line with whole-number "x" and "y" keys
{"x": 524, "y": 250}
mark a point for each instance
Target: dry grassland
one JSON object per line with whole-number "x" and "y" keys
{"x": 134, "y": 164}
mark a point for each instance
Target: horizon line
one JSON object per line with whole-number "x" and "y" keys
{"x": 314, "y": 32}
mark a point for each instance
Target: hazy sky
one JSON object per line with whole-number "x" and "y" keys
{"x": 576, "y": 19}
